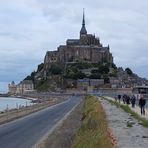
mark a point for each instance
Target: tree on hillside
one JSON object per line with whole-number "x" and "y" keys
{"x": 80, "y": 75}
{"x": 114, "y": 66}
{"x": 129, "y": 71}
{"x": 40, "y": 67}
{"x": 104, "y": 69}
{"x": 94, "y": 71}
{"x": 106, "y": 79}
{"x": 55, "y": 69}
{"x": 95, "y": 76}
{"x": 31, "y": 77}
{"x": 77, "y": 75}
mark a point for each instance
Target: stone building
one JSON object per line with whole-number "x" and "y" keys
{"x": 84, "y": 84}
{"x": 87, "y": 48}
{"x": 23, "y": 87}
{"x": 12, "y": 88}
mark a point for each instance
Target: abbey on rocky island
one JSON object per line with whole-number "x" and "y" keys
{"x": 85, "y": 49}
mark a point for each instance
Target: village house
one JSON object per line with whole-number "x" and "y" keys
{"x": 23, "y": 87}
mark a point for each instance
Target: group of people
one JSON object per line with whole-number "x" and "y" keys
{"x": 132, "y": 100}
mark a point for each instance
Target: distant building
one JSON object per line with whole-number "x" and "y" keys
{"x": 115, "y": 83}
{"x": 96, "y": 82}
{"x": 87, "y": 48}
{"x": 83, "y": 84}
{"x": 23, "y": 87}
{"x": 12, "y": 88}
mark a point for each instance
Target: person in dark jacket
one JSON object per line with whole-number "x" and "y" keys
{"x": 124, "y": 98}
{"x": 142, "y": 103}
{"x": 133, "y": 101}
{"x": 127, "y": 99}
{"x": 119, "y": 98}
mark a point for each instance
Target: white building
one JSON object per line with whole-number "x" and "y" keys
{"x": 12, "y": 88}
{"x": 23, "y": 87}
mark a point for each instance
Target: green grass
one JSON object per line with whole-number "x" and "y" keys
{"x": 127, "y": 109}
{"x": 129, "y": 124}
{"x": 44, "y": 86}
{"x": 93, "y": 130}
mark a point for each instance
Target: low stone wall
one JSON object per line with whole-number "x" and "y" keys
{"x": 115, "y": 91}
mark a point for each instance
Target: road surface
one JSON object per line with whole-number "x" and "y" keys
{"x": 26, "y": 132}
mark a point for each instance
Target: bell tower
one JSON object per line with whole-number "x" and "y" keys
{"x": 83, "y": 30}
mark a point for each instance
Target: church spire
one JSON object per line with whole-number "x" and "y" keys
{"x": 83, "y": 29}
{"x": 83, "y": 22}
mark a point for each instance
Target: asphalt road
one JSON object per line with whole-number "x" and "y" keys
{"x": 27, "y": 131}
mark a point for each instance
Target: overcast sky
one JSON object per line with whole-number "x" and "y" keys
{"x": 28, "y": 28}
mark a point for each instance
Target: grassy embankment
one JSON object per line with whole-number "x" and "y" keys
{"x": 127, "y": 109}
{"x": 93, "y": 132}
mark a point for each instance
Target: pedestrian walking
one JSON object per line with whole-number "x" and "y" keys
{"x": 124, "y": 98}
{"x": 133, "y": 101}
{"x": 127, "y": 99}
{"x": 119, "y": 97}
{"x": 142, "y": 103}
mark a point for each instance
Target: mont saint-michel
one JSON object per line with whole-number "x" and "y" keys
{"x": 74, "y": 61}
{"x": 85, "y": 49}
{"x": 84, "y": 64}
{"x": 77, "y": 98}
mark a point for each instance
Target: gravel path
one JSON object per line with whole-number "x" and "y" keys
{"x": 127, "y": 130}
{"x": 136, "y": 109}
